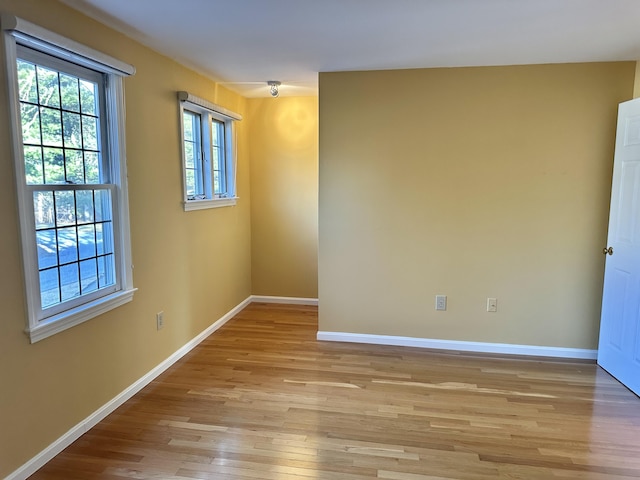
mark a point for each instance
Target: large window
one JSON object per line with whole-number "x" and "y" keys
{"x": 70, "y": 175}
{"x": 208, "y": 152}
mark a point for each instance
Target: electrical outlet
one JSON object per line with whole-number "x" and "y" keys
{"x": 441, "y": 302}
{"x": 492, "y": 304}
{"x": 160, "y": 320}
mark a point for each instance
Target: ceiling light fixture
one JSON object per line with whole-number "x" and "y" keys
{"x": 274, "y": 84}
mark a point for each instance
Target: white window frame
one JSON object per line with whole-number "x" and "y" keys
{"x": 40, "y": 324}
{"x": 208, "y": 111}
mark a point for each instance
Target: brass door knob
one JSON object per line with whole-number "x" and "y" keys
{"x": 606, "y": 250}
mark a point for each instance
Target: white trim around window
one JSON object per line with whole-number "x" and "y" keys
{"x": 65, "y": 57}
{"x": 61, "y": 47}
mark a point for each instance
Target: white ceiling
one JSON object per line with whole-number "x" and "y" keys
{"x": 244, "y": 43}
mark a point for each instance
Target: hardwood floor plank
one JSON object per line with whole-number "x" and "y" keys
{"x": 262, "y": 399}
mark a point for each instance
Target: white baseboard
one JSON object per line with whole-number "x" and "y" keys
{"x": 480, "y": 347}
{"x": 285, "y": 300}
{"x": 72, "y": 435}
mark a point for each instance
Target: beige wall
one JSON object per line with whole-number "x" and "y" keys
{"x": 284, "y": 195}
{"x": 194, "y": 266}
{"x": 473, "y": 183}
{"x": 636, "y": 85}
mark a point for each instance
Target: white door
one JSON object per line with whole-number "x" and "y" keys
{"x": 619, "y": 347}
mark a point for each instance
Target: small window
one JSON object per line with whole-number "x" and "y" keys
{"x": 70, "y": 174}
{"x": 208, "y": 153}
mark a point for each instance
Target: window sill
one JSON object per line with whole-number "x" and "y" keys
{"x": 78, "y": 315}
{"x": 190, "y": 205}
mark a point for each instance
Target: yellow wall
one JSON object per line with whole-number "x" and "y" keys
{"x": 473, "y": 183}
{"x": 194, "y": 266}
{"x": 636, "y": 85}
{"x": 284, "y": 195}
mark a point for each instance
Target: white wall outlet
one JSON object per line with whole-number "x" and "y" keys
{"x": 160, "y": 320}
{"x": 492, "y": 304}
{"x": 441, "y": 302}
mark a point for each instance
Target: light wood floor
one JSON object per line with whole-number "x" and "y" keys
{"x": 262, "y": 399}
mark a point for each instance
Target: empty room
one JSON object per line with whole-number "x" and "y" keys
{"x": 290, "y": 239}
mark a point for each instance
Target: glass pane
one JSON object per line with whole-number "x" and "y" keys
{"x": 48, "y": 87}
{"x": 104, "y": 238}
{"x": 47, "y": 249}
{"x": 192, "y": 155}
{"x": 89, "y": 275}
{"x": 30, "y": 116}
{"x": 43, "y": 209}
{"x": 218, "y": 158}
{"x": 107, "y": 238}
{"x": 218, "y": 170}
{"x": 215, "y": 132}
{"x": 90, "y": 132}
{"x": 187, "y": 120}
{"x": 106, "y": 271}
{"x": 75, "y": 168}
{"x": 87, "y": 241}
{"x": 191, "y": 182}
{"x": 216, "y": 182}
{"x": 65, "y": 208}
{"x": 69, "y": 91}
{"x": 84, "y": 206}
{"x": 215, "y": 153}
{"x": 91, "y": 167}
{"x": 53, "y": 165}
{"x": 49, "y": 287}
{"x": 72, "y": 130}
{"x": 88, "y": 97}
{"x": 100, "y": 239}
{"x": 67, "y": 245}
{"x": 103, "y": 205}
{"x": 51, "y": 127}
{"x": 27, "y": 82}
{"x": 189, "y": 155}
{"x": 70, "y": 283}
{"x": 33, "y": 165}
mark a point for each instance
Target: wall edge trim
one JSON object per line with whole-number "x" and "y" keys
{"x": 284, "y": 300}
{"x": 37, "y": 462}
{"x": 458, "y": 345}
